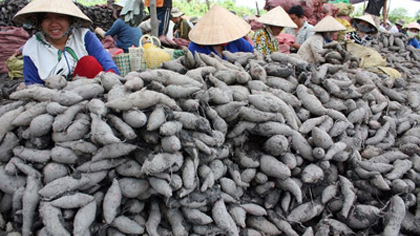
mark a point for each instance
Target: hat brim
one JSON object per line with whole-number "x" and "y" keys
{"x": 277, "y": 17}
{"x": 368, "y": 19}
{"x": 328, "y": 24}
{"x": 65, "y": 7}
{"x": 177, "y": 14}
{"x": 218, "y": 26}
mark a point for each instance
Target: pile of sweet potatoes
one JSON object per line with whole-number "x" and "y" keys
{"x": 250, "y": 145}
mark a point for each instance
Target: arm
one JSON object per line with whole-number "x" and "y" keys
{"x": 95, "y": 49}
{"x": 385, "y": 10}
{"x": 30, "y": 72}
{"x": 316, "y": 47}
{"x": 115, "y": 28}
{"x": 259, "y": 41}
{"x": 185, "y": 29}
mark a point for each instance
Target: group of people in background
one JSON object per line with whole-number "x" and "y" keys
{"x": 65, "y": 46}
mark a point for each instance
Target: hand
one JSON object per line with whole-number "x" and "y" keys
{"x": 100, "y": 32}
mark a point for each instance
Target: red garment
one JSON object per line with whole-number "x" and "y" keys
{"x": 88, "y": 67}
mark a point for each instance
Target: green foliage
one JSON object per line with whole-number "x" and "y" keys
{"x": 199, "y": 7}
{"x": 91, "y": 2}
{"x": 394, "y": 15}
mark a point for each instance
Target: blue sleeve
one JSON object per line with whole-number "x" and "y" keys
{"x": 115, "y": 28}
{"x": 95, "y": 49}
{"x": 193, "y": 47}
{"x": 30, "y": 72}
{"x": 415, "y": 43}
{"x": 244, "y": 46}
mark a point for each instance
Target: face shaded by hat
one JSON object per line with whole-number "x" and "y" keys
{"x": 218, "y": 26}
{"x": 277, "y": 17}
{"x": 368, "y": 19}
{"x": 175, "y": 12}
{"x": 413, "y": 25}
{"x": 194, "y": 19}
{"x": 400, "y": 22}
{"x": 328, "y": 24}
{"x": 29, "y": 14}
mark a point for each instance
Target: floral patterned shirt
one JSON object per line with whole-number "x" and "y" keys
{"x": 264, "y": 42}
{"x": 355, "y": 37}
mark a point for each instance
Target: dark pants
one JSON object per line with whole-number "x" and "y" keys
{"x": 164, "y": 15}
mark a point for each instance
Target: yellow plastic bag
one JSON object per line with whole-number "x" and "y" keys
{"x": 15, "y": 66}
{"x": 393, "y": 73}
{"x": 153, "y": 54}
{"x": 341, "y": 34}
{"x": 368, "y": 57}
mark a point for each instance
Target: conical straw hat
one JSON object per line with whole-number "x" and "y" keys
{"x": 367, "y": 18}
{"x": 66, "y": 7}
{"x": 218, "y": 26}
{"x": 328, "y": 24}
{"x": 277, "y": 17}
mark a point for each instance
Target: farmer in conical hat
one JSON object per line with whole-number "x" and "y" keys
{"x": 127, "y": 36}
{"x": 412, "y": 32}
{"x": 219, "y": 30}
{"x": 325, "y": 30}
{"x": 365, "y": 27}
{"x": 274, "y": 21}
{"x": 63, "y": 45}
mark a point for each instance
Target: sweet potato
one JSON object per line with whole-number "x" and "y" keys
{"x": 29, "y": 204}
{"x": 84, "y": 218}
{"x": 154, "y": 219}
{"x": 135, "y": 118}
{"x": 62, "y": 121}
{"x": 101, "y": 132}
{"x": 223, "y": 219}
{"x": 273, "y": 167}
{"x": 30, "y": 154}
{"x": 112, "y": 201}
{"x": 9, "y": 142}
{"x": 127, "y": 226}
{"x": 51, "y": 217}
{"x": 7, "y": 119}
{"x": 305, "y": 211}
{"x": 76, "y": 200}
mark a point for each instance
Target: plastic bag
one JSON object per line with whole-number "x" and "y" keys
{"x": 153, "y": 54}
{"x": 368, "y": 57}
{"x": 15, "y": 66}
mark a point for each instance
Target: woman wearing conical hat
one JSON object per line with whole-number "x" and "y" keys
{"x": 364, "y": 27}
{"x": 274, "y": 21}
{"x": 325, "y": 30}
{"x": 62, "y": 46}
{"x": 219, "y": 30}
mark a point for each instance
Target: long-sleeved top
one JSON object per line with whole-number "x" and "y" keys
{"x": 239, "y": 45}
{"x": 303, "y": 34}
{"x": 264, "y": 42}
{"x": 127, "y": 36}
{"x": 182, "y": 29}
{"x": 414, "y": 42}
{"x": 310, "y": 49}
{"x": 42, "y": 60}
